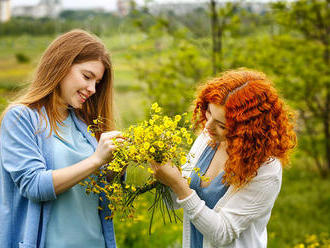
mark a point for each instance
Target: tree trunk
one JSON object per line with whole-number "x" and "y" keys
{"x": 214, "y": 29}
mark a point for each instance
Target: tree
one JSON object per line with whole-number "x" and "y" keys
{"x": 311, "y": 18}
{"x": 222, "y": 19}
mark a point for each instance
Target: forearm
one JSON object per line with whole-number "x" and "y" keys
{"x": 181, "y": 188}
{"x": 213, "y": 225}
{"x": 65, "y": 178}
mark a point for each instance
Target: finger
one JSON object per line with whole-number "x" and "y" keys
{"x": 111, "y": 135}
{"x": 119, "y": 140}
{"x": 114, "y": 134}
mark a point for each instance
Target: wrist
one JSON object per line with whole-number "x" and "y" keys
{"x": 181, "y": 189}
{"x": 95, "y": 161}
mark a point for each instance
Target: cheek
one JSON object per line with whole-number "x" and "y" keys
{"x": 220, "y": 131}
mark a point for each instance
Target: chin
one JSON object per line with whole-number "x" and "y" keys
{"x": 76, "y": 106}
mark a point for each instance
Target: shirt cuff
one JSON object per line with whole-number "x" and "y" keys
{"x": 46, "y": 189}
{"x": 192, "y": 204}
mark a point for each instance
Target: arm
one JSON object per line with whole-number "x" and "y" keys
{"x": 223, "y": 226}
{"x": 65, "y": 178}
{"x": 22, "y": 159}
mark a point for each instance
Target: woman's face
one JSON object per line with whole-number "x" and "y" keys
{"x": 215, "y": 122}
{"x": 79, "y": 84}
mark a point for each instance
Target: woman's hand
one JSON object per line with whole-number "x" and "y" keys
{"x": 106, "y": 145}
{"x": 170, "y": 175}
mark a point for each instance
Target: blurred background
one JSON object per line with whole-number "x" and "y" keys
{"x": 162, "y": 50}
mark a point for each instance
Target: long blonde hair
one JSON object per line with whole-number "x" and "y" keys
{"x": 74, "y": 47}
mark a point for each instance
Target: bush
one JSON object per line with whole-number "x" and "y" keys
{"x": 21, "y": 58}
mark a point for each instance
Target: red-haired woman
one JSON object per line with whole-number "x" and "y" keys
{"x": 46, "y": 151}
{"x": 247, "y": 136}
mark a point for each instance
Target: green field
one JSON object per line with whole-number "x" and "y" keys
{"x": 301, "y": 212}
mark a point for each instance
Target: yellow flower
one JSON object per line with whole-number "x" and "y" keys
{"x": 133, "y": 188}
{"x": 177, "y": 118}
{"x": 157, "y": 130}
{"x": 95, "y": 121}
{"x": 132, "y": 149}
{"x": 311, "y": 238}
{"x": 152, "y": 149}
{"x": 173, "y": 149}
{"x": 167, "y": 123}
{"x": 150, "y": 135}
{"x": 189, "y": 141}
{"x": 160, "y": 144}
{"x": 146, "y": 145}
{"x": 183, "y": 160}
{"x": 157, "y": 110}
{"x": 154, "y": 106}
{"x": 177, "y": 139}
{"x": 150, "y": 171}
{"x": 142, "y": 151}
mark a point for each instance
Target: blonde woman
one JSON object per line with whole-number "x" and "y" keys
{"x": 45, "y": 149}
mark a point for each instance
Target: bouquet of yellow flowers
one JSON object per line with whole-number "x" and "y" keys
{"x": 159, "y": 139}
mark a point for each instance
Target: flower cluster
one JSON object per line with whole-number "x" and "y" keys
{"x": 159, "y": 139}
{"x": 313, "y": 241}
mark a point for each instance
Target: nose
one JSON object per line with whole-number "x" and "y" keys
{"x": 208, "y": 123}
{"x": 91, "y": 88}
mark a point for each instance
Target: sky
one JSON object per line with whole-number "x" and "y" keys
{"x": 106, "y": 4}
{"x": 83, "y": 4}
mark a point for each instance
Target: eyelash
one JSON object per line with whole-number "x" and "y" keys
{"x": 219, "y": 125}
{"x": 86, "y": 77}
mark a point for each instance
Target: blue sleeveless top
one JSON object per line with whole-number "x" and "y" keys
{"x": 74, "y": 220}
{"x": 211, "y": 194}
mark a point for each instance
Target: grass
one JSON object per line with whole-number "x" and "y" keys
{"x": 301, "y": 210}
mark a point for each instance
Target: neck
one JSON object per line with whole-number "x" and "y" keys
{"x": 64, "y": 113}
{"x": 222, "y": 145}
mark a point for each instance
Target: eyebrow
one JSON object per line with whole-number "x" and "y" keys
{"x": 216, "y": 119}
{"x": 93, "y": 74}
{"x": 221, "y": 122}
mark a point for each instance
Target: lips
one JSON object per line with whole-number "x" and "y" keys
{"x": 82, "y": 96}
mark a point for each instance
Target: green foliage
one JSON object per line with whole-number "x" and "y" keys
{"x": 22, "y": 58}
{"x": 3, "y": 104}
{"x": 303, "y": 206}
{"x": 172, "y": 78}
{"x": 310, "y": 72}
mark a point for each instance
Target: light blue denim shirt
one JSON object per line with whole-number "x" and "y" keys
{"x": 26, "y": 185}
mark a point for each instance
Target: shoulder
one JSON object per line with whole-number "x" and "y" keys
{"x": 19, "y": 114}
{"x": 272, "y": 167}
{"x": 18, "y": 110}
{"x": 269, "y": 175}
{"x": 202, "y": 140}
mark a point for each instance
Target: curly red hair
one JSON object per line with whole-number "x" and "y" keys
{"x": 258, "y": 124}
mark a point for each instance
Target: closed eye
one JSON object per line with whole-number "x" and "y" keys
{"x": 86, "y": 77}
{"x": 221, "y": 126}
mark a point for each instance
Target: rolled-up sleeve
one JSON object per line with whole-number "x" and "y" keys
{"x": 22, "y": 158}
{"x": 245, "y": 206}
